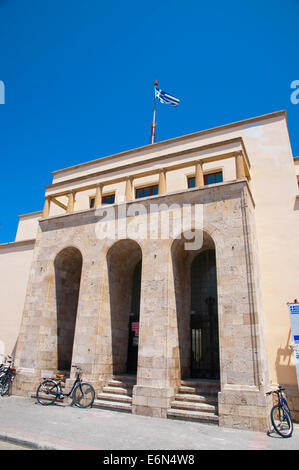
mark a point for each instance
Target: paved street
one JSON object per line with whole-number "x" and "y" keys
{"x": 23, "y": 421}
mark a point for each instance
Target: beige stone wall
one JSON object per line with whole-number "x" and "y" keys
{"x": 241, "y": 334}
{"x": 273, "y": 183}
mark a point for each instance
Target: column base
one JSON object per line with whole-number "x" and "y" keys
{"x": 152, "y": 401}
{"x": 243, "y": 407}
{"x": 26, "y": 382}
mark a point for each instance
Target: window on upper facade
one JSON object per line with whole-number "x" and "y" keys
{"x": 191, "y": 181}
{"x": 210, "y": 178}
{"x": 108, "y": 199}
{"x": 147, "y": 191}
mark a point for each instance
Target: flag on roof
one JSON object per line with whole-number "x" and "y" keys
{"x": 166, "y": 98}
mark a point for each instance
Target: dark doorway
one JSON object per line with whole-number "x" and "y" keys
{"x": 124, "y": 261}
{"x": 204, "y": 317}
{"x": 134, "y": 322}
{"x": 68, "y": 266}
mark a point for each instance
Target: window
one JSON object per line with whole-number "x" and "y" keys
{"x": 212, "y": 178}
{"x": 108, "y": 199}
{"x": 191, "y": 181}
{"x": 147, "y": 191}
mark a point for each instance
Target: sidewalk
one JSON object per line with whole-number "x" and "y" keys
{"x": 64, "y": 427}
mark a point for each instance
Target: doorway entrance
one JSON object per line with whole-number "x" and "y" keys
{"x": 204, "y": 317}
{"x": 68, "y": 266}
{"x": 124, "y": 261}
{"x": 134, "y": 322}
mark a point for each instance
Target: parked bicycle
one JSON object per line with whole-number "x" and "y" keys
{"x": 50, "y": 390}
{"x": 280, "y": 414}
{"x": 7, "y": 376}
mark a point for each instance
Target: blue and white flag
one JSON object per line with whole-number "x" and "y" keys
{"x": 165, "y": 98}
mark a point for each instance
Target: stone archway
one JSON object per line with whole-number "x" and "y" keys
{"x": 204, "y": 317}
{"x": 124, "y": 260}
{"x": 195, "y": 285}
{"x": 68, "y": 267}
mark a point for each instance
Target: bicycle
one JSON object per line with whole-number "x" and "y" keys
{"x": 50, "y": 390}
{"x": 3, "y": 366}
{"x": 280, "y": 414}
{"x": 7, "y": 376}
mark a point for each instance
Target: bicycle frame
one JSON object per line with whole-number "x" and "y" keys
{"x": 7, "y": 372}
{"x": 65, "y": 395}
{"x": 282, "y": 402}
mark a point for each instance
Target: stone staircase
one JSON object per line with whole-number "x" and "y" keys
{"x": 117, "y": 394}
{"x": 196, "y": 400}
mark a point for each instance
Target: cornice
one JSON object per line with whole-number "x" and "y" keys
{"x": 157, "y": 145}
{"x": 18, "y": 244}
{"x": 129, "y": 166}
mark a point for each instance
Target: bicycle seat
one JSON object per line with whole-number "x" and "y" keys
{"x": 59, "y": 376}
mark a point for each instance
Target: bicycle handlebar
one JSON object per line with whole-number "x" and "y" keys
{"x": 279, "y": 389}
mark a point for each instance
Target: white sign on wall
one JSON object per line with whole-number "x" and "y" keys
{"x": 294, "y": 318}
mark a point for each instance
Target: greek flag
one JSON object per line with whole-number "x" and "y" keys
{"x": 165, "y": 98}
{"x": 294, "y": 309}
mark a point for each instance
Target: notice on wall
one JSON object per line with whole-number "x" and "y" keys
{"x": 294, "y": 318}
{"x": 135, "y": 327}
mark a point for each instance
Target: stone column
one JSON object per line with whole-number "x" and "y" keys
{"x": 98, "y": 199}
{"x": 240, "y": 169}
{"x": 46, "y": 210}
{"x": 155, "y": 388}
{"x": 162, "y": 181}
{"x": 92, "y": 339}
{"x": 129, "y": 188}
{"x": 243, "y": 364}
{"x": 199, "y": 179}
{"x": 71, "y": 202}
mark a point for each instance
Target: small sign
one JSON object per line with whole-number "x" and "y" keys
{"x": 294, "y": 319}
{"x": 135, "y": 327}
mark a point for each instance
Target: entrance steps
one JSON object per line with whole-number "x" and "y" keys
{"x": 196, "y": 400}
{"x": 117, "y": 394}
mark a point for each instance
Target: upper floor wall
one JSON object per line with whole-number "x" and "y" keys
{"x": 263, "y": 142}
{"x": 28, "y": 226}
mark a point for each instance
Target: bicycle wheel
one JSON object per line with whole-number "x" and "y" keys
{"x": 47, "y": 392}
{"x": 83, "y": 395}
{"x": 282, "y": 421}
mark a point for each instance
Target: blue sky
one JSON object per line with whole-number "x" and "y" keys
{"x": 79, "y": 79}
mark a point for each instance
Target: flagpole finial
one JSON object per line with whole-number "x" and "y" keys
{"x": 156, "y": 83}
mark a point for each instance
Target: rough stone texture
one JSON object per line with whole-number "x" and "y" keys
{"x": 100, "y": 338}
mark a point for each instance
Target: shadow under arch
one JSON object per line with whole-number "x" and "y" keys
{"x": 124, "y": 262}
{"x": 68, "y": 268}
{"x": 195, "y": 287}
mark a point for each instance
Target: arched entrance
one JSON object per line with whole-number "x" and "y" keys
{"x": 134, "y": 321}
{"x": 124, "y": 269}
{"x": 204, "y": 317}
{"x": 195, "y": 287}
{"x": 68, "y": 266}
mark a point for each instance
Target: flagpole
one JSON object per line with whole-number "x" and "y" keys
{"x": 153, "y": 126}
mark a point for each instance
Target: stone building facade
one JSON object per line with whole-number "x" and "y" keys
{"x": 161, "y": 293}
